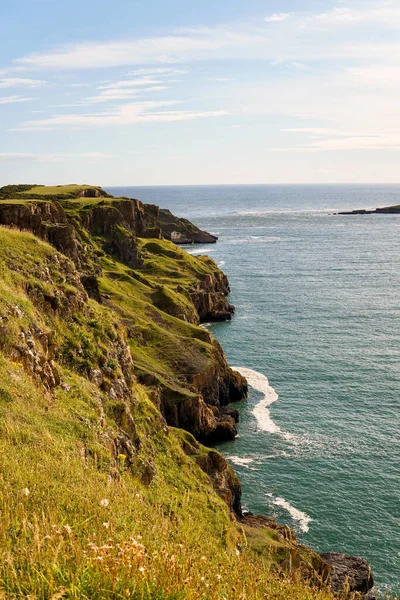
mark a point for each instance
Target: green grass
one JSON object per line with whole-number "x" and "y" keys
{"x": 171, "y": 540}
{"x": 59, "y": 190}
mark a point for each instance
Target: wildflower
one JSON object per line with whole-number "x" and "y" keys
{"x": 142, "y": 569}
{"x": 68, "y": 529}
{"x": 203, "y": 558}
{"x": 202, "y": 578}
{"x": 219, "y": 577}
{"x": 106, "y": 525}
{"x": 104, "y": 502}
{"x": 25, "y": 492}
{"x": 237, "y": 552}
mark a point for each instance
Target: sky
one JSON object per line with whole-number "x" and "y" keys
{"x": 170, "y": 92}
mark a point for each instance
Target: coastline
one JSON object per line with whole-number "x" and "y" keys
{"x": 124, "y": 249}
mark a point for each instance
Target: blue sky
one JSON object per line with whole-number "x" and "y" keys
{"x": 177, "y": 92}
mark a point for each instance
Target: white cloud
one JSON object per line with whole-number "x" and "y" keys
{"x": 126, "y": 114}
{"x": 113, "y": 94}
{"x": 11, "y": 82}
{"x": 300, "y": 40}
{"x": 387, "y": 141}
{"x": 14, "y": 99}
{"x": 312, "y": 130}
{"x": 188, "y": 45}
{"x": 161, "y": 72}
{"x": 277, "y": 17}
{"x": 16, "y": 157}
{"x": 128, "y": 83}
{"x": 50, "y": 158}
{"x": 337, "y": 15}
{"x": 377, "y": 13}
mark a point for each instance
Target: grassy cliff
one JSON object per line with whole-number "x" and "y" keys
{"x": 108, "y": 386}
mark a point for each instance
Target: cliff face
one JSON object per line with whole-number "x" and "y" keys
{"x": 45, "y": 219}
{"x": 209, "y": 296}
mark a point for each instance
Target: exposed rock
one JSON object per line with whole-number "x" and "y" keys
{"x": 122, "y": 444}
{"x": 48, "y": 221}
{"x": 219, "y": 384}
{"x": 35, "y": 351}
{"x": 92, "y": 193}
{"x": 221, "y": 474}
{"x": 91, "y": 285}
{"x": 147, "y": 471}
{"x": 261, "y": 521}
{"x": 292, "y": 557}
{"x": 182, "y": 231}
{"x": 209, "y": 296}
{"x": 348, "y": 573}
{"x": 223, "y": 479}
{"x": 231, "y": 412}
{"x": 386, "y": 210}
{"x": 206, "y": 423}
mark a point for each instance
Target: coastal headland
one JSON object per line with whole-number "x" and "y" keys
{"x": 111, "y": 396}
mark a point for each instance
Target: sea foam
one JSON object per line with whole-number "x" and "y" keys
{"x": 241, "y": 461}
{"x": 198, "y": 251}
{"x": 260, "y": 382}
{"x": 302, "y": 518}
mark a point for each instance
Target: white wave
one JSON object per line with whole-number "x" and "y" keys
{"x": 302, "y": 518}
{"x": 200, "y": 251}
{"x": 241, "y": 461}
{"x": 259, "y": 382}
{"x": 221, "y": 264}
{"x": 265, "y": 238}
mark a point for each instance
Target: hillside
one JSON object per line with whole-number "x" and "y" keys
{"x": 110, "y": 393}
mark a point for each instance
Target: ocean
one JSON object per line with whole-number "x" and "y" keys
{"x": 317, "y": 334}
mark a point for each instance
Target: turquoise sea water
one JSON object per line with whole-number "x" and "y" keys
{"x": 318, "y": 314}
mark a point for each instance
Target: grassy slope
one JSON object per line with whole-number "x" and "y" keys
{"x": 171, "y": 539}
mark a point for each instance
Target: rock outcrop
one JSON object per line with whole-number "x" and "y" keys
{"x": 182, "y": 231}
{"x": 349, "y": 574}
{"x": 221, "y": 474}
{"x": 209, "y": 296}
{"x": 48, "y": 221}
{"x": 386, "y": 210}
{"x": 209, "y": 424}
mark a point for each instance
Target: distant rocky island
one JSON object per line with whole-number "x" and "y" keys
{"x": 386, "y": 210}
